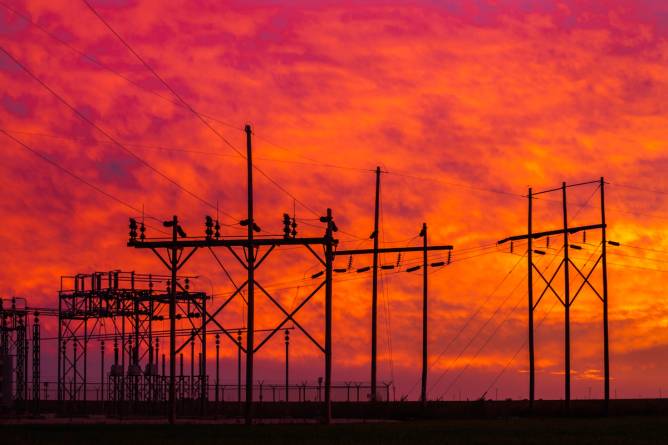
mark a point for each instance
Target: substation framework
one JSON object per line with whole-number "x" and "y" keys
{"x": 247, "y": 252}
{"x": 122, "y": 308}
{"x": 566, "y": 265}
{"x": 18, "y": 385}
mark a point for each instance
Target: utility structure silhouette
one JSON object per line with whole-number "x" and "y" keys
{"x": 14, "y": 352}
{"x": 176, "y": 259}
{"x": 568, "y": 298}
{"x": 130, "y": 303}
{"x": 375, "y": 252}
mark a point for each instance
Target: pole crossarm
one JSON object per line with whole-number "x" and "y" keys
{"x": 570, "y": 231}
{"x": 392, "y": 250}
{"x": 195, "y": 242}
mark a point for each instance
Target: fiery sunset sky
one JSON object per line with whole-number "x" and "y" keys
{"x": 463, "y": 104}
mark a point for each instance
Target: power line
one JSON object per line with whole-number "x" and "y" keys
{"x": 192, "y": 110}
{"x": 524, "y": 343}
{"x": 104, "y": 66}
{"x": 106, "y": 134}
{"x": 177, "y": 150}
{"x": 81, "y": 179}
{"x": 467, "y": 322}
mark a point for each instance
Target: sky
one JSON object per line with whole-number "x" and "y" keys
{"x": 463, "y": 105}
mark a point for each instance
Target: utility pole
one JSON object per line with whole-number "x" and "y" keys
{"x": 374, "y": 290}
{"x": 217, "y": 367}
{"x": 329, "y": 262}
{"x": 567, "y": 298}
{"x": 567, "y": 306}
{"x": 532, "y": 370}
{"x": 102, "y": 370}
{"x": 604, "y": 269}
{"x": 172, "y": 323}
{"x": 287, "y": 365}
{"x": 251, "y": 260}
{"x": 423, "y": 392}
{"x": 251, "y": 281}
{"x": 239, "y": 367}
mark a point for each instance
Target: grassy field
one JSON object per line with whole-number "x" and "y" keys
{"x": 626, "y": 430}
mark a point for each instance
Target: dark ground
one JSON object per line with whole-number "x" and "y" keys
{"x": 544, "y": 431}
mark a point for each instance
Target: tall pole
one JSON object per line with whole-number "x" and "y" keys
{"x": 329, "y": 261}
{"x": 423, "y": 392}
{"x": 60, "y": 383}
{"x": 251, "y": 282}
{"x": 604, "y": 265}
{"x": 567, "y": 306}
{"x": 374, "y": 291}
{"x": 239, "y": 367}
{"x": 204, "y": 388}
{"x": 36, "y": 359}
{"x": 532, "y": 369}
{"x": 217, "y": 366}
{"x": 287, "y": 365}
{"x": 172, "y": 324}
{"x": 102, "y": 370}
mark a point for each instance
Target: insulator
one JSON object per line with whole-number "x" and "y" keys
{"x": 398, "y": 259}
{"x": 547, "y": 242}
{"x": 294, "y": 228}
{"x": 318, "y": 274}
{"x": 373, "y": 235}
{"x": 387, "y": 266}
{"x": 584, "y": 237}
{"x": 340, "y": 270}
{"x": 613, "y": 243}
{"x": 133, "y": 229}
{"x": 180, "y": 231}
{"x": 511, "y": 247}
{"x": 142, "y": 231}
{"x": 256, "y": 228}
{"x": 539, "y": 252}
{"x": 575, "y": 246}
{"x": 413, "y": 269}
{"x": 217, "y": 234}
{"x": 449, "y": 256}
{"x": 350, "y": 262}
{"x": 364, "y": 269}
{"x": 187, "y": 283}
{"x": 438, "y": 264}
{"x": 286, "y": 225}
{"x": 209, "y": 227}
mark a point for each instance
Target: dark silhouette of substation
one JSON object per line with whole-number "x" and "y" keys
{"x": 116, "y": 319}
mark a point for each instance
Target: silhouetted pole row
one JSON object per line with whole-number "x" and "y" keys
{"x": 568, "y": 298}
{"x": 375, "y": 251}
{"x": 178, "y": 257}
{"x": 424, "y": 249}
